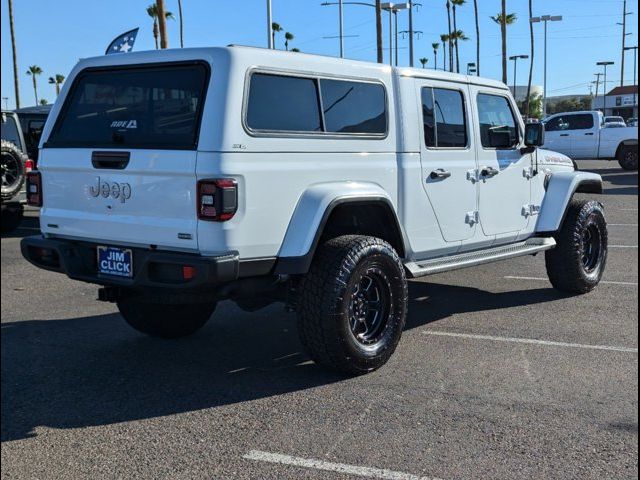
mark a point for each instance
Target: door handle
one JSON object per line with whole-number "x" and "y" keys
{"x": 439, "y": 174}
{"x": 489, "y": 172}
{"x": 589, "y": 134}
{"x": 564, "y": 134}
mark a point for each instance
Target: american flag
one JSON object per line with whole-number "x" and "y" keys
{"x": 123, "y": 43}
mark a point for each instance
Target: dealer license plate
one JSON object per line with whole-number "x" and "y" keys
{"x": 115, "y": 261}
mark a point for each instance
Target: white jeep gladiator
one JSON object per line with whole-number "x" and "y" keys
{"x": 176, "y": 179}
{"x": 583, "y": 135}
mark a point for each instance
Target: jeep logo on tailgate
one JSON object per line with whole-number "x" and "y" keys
{"x": 113, "y": 190}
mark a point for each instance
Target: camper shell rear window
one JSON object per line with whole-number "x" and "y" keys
{"x": 155, "y": 106}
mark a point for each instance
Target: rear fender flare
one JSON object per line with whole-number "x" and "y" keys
{"x": 561, "y": 188}
{"x": 311, "y": 214}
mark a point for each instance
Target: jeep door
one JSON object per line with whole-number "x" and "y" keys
{"x": 119, "y": 164}
{"x": 447, "y": 156}
{"x": 503, "y": 170}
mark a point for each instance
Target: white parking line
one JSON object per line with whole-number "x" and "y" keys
{"x": 367, "y": 472}
{"x": 531, "y": 341}
{"x": 622, "y": 224}
{"x": 623, "y": 246}
{"x": 541, "y": 279}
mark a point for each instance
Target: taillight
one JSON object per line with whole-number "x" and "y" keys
{"x": 217, "y": 199}
{"x": 29, "y": 165}
{"x": 34, "y": 189}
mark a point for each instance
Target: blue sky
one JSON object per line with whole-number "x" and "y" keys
{"x": 54, "y": 35}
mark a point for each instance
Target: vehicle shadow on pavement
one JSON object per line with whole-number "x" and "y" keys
{"x": 624, "y": 183}
{"x": 430, "y": 302}
{"x": 30, "y": 225}
{"x": 95, "y": 370}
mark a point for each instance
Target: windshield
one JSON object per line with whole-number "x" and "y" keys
{"x": 614, "y": 119}
{"x": 139, "y": 107}
{"x": 10, "y": 130}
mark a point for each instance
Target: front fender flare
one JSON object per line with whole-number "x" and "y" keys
{"x": 561, "y": 188}
{"x": 311, "y": 214}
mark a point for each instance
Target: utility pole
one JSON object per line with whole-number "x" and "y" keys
{"x": 162, "y": 24}
{"x": 598, "y": 75}
{"x": 624, "y": 38}
{"x": 605, "y": 65}
{"x": 269, "y": 23}
{"x": 410, "y": 33}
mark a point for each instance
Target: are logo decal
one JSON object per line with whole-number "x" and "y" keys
{"x": 124, "y": 124}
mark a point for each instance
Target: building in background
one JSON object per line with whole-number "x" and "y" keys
{"x": 520, "y": 92}
{"x": 621, "y": 101}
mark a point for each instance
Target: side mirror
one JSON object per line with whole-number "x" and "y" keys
{"x": 534, "y": 135}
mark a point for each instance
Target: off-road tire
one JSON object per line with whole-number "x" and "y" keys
{"x": 165, "y": 320}
{"x": 628, "y": 157}
{"x": 11, "y": 217}
{"x": 577, "y": 265}
{"x": 326, "y": 299}
{"x": 12, "y": 166}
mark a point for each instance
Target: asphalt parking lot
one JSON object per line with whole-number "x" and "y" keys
{"x": 497, "y": 376}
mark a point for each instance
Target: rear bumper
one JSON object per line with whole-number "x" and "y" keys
{"x": 151, "y": 269}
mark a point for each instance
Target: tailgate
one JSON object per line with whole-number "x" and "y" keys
{"x": 150, "y": 202}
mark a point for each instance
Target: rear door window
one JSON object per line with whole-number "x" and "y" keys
{"x": 444, "y": 118}
{"x": 156, "y": 107}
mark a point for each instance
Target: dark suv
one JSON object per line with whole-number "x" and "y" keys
{"x": 12, "y": 164}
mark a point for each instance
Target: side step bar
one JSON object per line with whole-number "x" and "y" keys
{"x": 471, "y": 259}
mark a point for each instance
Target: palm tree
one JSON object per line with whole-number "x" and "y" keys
{"x": 288, "y": 36}
{"x": 444, "y": 38}
{"x": 504, "y": 19}
{"x": 527, "y": 108}
{"x": 34, "y": 71}
{"x": 380, "y": 55}
{"x": 475, "y": 8}
{"x": 435, "y": 46}
{"x": 457, "y": 3}
{"x": 449, "y": 36}
{"x": 152, "y": 11}
{"x": 57, "y": 81}
{"x": 16, "y": 83}
{"x": 424, "y": 62}
{"x": 275, "y": 28}
{"x": 457, "y": 36}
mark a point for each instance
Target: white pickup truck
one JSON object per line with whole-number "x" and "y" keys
{"x": 584, "y": 135}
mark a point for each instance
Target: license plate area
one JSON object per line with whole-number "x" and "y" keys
{"x": 115, "y": 261}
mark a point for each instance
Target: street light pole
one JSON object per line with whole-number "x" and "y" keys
{"x": 515, "y": 69}
{"x": 393, "y": 9}
{"x": 269, "y": 23}
{"x": 545, "y": 19}
{"x": 341, "y": 29}
{"x": 605, "y": 65}
{"x": 635, "y": 73}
